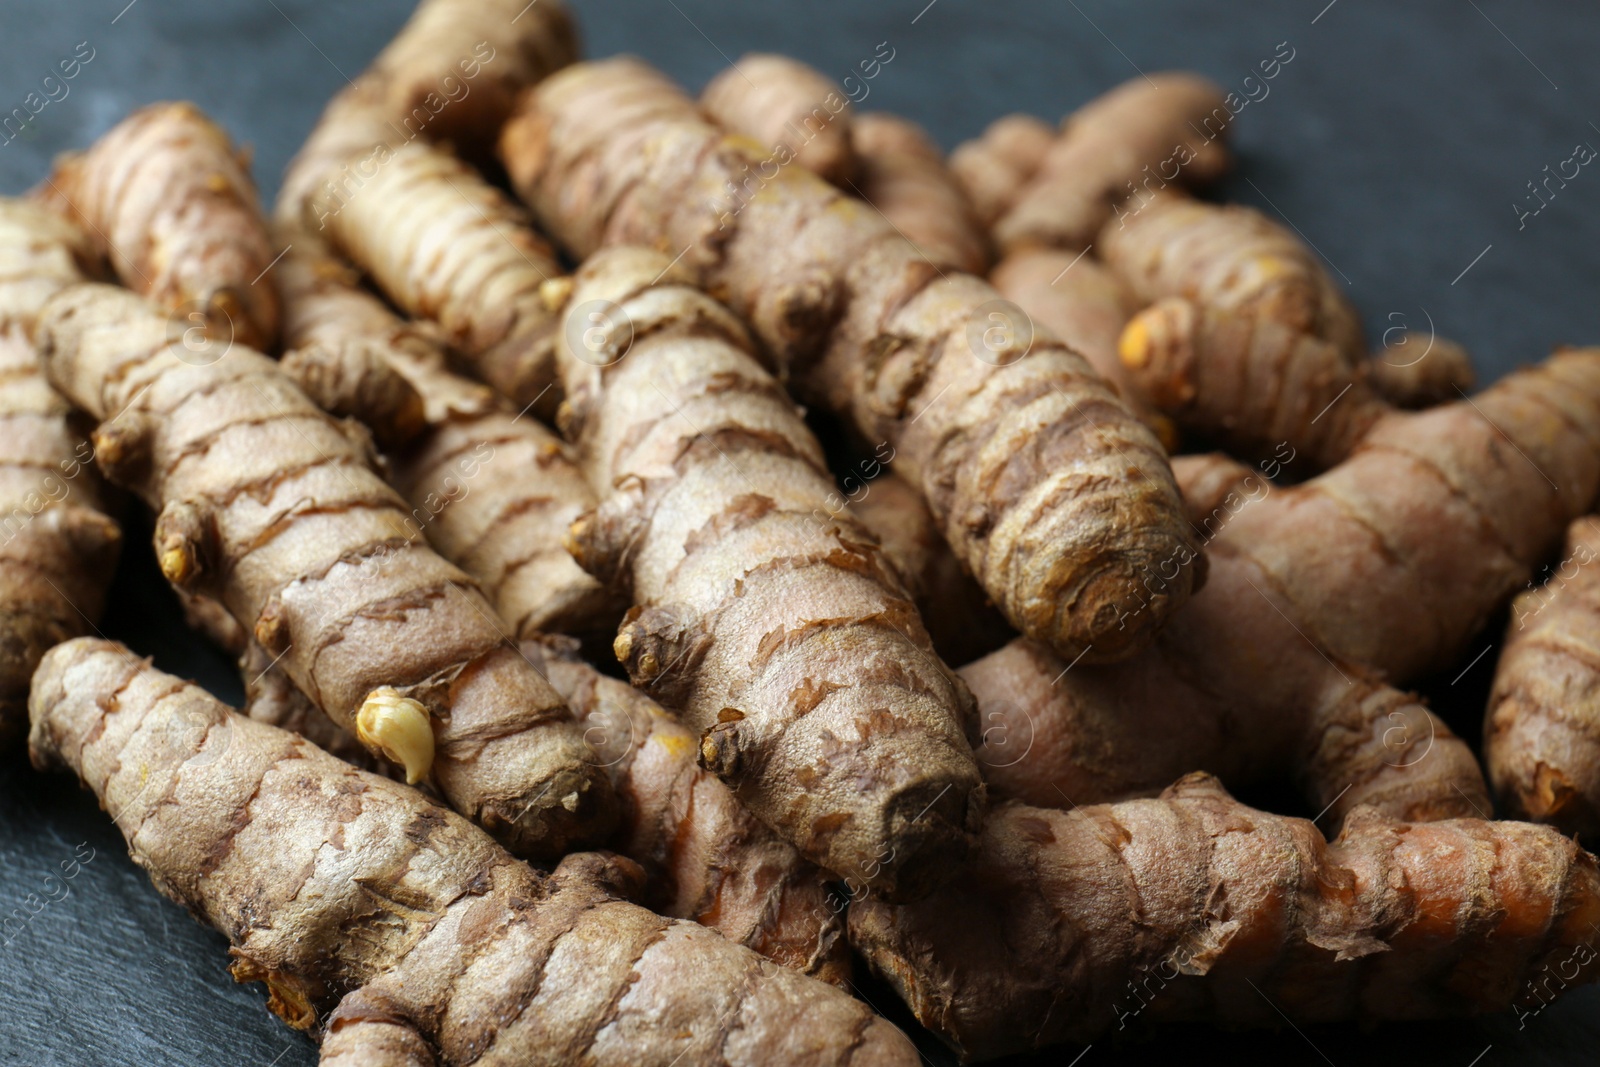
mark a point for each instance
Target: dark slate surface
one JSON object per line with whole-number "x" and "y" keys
{"x": 1396, "y": 141}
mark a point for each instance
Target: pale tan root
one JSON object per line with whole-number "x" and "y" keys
{"x": 778, "y": 630}
{"x": 58, "y": 548}
{"x": 788, "y": 108}
{"x": 393, "y": 929}
{"x": 274, "y": 509}
{"x": 1049, "y": 490}
{"x": 903, "y": 175}
{"x": 169, "y": 200}
{"x": 993, "y": 168}
{"x": 1152, "y": 132}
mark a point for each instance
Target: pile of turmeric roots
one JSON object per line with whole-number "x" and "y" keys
{"x": 503, "y": 404}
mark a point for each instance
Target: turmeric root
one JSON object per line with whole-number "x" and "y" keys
{"x": 272, "y": 508}
{"x": 1056, "y": 733}
{"x": 993, "y": 168}
{"x": 1051, "y": 493}
{"x": 394, "y": 930}
{"x": 1384, "y": 567}
{"x": 1418, "y": 373}
{"x": 1141, "y": 136}
{"x": 1196, "y": 907}
{"x": 1230, "y": 259}
{"x": 788, "y": 108}
{"x": 446, "y": 245}
{"x": 454, "y": 70}
{"x": 1214, "y": 486}
{"x": 961, "y": 622}
{"x": 1398, "y": 556}
{"x": 786, "y": 641}
{"x": 705, "y": 856}
{"x": 452, "y": 75}
{"x": 1539, "y": 739}
{"x": 170, "y": 201}
{"x": 1249, "y": 384}
{"x": 493, "y": 491}
{"x": 1078, "y": 299}
{"x": 355, "y": 130}
{"x": 904, "y": 176}
{"x": 57, "y": 547}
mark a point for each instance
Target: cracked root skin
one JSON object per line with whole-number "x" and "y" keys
{"x": 271, "y": 507}
{"x": 705, "y": 856}
{"x": 1232, "y": 259}
{"x": 446, "y": 245}
{"x": 1542, "y": 735}
{"x": 903, "y": 175}
{"x": 1073, "y": 924}
{"x": 1050, "y": 491}
{"x": 775, "y": 100}
{"x": 395, "y": 929}
{"x": 493, "y": 491}
{"x": 993, "y": 168}
{"x": 779, "y": 631}
{"x": 1118, "y": 145}
{"x": 57, "y": 547}
{"x": 1249, "y": 384}
{"x": 171, "y": 203}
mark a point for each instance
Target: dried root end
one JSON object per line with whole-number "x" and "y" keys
{"x": 400, "y": 729}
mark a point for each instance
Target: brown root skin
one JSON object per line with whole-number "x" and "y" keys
{"x": 1214, "y": 485}
{"x": 1416, "y": 373}
{"x": 789, "y": 108}
{"x": 451, "y": 75}
{"x": 994, "y": 168}
{"x": 1384, "y": 567}
{"x": 1540, "y": 733}
{"x": 1147, "y": 134}
{"x": 961, "y": 621}
{"x": 171, "y": 204}
{"x": 457, "y": 447}
{"x": 1398, "y": 556}
{"x": 393, "y": 928}
{"x": 272, "y": 508}
{"x": 453, "y": 72}
{"x": 1248, "y": 384}
{"x": 484, "y": 295}
{"x": 1265, "y": 707}
{"x": 707, "y": 858}
{"x": 355, "y": 129}
{"x": 903, "y": 175}
{"x": 1049, "y": 490}
{"x": 1084, "y": 303}
{"x": 1231, "y": 259}
{"x": 1071, "y": 925}
{"x": 271, "y": 697}
{"x": 58, "y": 548}
{"x": 778, "y": 631}
{"x": 341, "y": 344}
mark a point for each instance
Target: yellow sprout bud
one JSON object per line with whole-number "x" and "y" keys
{"x": 1134, "y": 346}
{"x": 399, "y": 728}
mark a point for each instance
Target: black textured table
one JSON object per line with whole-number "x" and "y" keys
{"x": 1401, "y": 144}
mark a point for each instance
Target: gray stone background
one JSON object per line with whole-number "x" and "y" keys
{"x": 1397, "y": 141}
